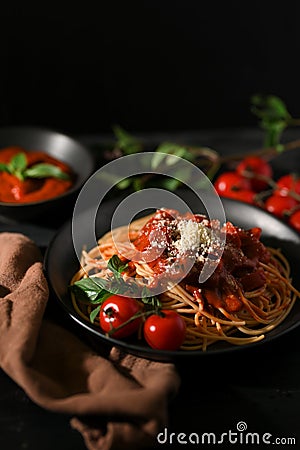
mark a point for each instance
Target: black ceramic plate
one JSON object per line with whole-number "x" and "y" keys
{"x": 61, "y": 264}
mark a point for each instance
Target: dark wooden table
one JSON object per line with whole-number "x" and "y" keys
{"x": 260, "y": 386}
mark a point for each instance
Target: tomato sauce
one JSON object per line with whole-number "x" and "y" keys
{"x": 237, "y": 271}
{"x": 14, "y": 190}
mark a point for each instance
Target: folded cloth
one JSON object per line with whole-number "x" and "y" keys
{"x": 118, "y": 402}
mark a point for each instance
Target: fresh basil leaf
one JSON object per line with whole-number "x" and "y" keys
{"x": 88, "y": 291}
{"x": 138, "y": 183}
{"x": 171, "y": 184}
{"x": 124, "y": 184}
{"x": 18, "y": 163}
{"x": 170, "y": 148}
{"x": 94, "y": 313}
{"x": 125, "y": 141}
{"x": 116, "y": 265}
{"x": 115, "y": 285}
{"x": 44, "y": 170}
{"x": 274, "y": 117}
{"x": 279, "y": 148}
{"x": 152, "y": 302}
{"x": 94, "y": 290}
{"x": 4, "y": 168}
{"x": 270, "y": 107}
{"x": 157, "y": 159}
{"x": 165, "y": 153}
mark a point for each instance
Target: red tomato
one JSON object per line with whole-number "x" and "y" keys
{"x": 294, "y": 220}
{"x": 117, "y": 310}
{"x": 287, "y": 183}
{"x": 243, "y": 195}
{"x": 229, "y": 182}
{"x": 280, "y": 205}
{"x": 165, "y": 331}
{"x": 257, "y": 167}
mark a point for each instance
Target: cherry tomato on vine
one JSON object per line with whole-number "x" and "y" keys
{"x": 257, "y": 167}
{"x": 287, "y": 183}
{"x": 117, "y": 310}
{"x": 294, "y": 220}
{"x": 243, "y": 195}
{"x": 279, "y": 206}
{"x": 165, "y": 330}
{"x": 229, "y": 182}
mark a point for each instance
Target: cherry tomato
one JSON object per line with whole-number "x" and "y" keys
{"x": 229, "y": 182}
{"x": 287, "y": 183}
{"x": 243, "y": 195}
{"x": 117, "y": 310}
{"x": 257, "y": 167}
{"x": 165, "y": 331}
{"x": 294, "y": 220}
{"x": 280, "y": 205}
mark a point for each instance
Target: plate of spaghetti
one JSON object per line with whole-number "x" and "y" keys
{"x": 250, "y": 298}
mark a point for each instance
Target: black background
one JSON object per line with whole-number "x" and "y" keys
{"x": 147, "y": 65}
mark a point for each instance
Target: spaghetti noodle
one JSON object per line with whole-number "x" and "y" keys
{"x": 248, "y": 295}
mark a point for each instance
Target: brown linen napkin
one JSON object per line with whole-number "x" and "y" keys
{"x": 117, "y": 402}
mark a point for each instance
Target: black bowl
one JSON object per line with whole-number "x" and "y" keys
{"x": 59, "y": 146}
{"x": 61, "y": 263}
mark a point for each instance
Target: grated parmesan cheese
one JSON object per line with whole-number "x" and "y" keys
{"x": 193, "y": 235}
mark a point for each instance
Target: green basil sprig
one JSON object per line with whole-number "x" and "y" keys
{"x": 94, "y": 290}
{"x": 18, "y": 166}
{"x": 116, "y": 266}
{"x": 273, "y": 117}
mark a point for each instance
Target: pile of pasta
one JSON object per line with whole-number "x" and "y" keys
{"x": 263, "y": 309}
